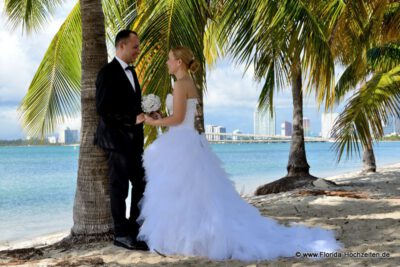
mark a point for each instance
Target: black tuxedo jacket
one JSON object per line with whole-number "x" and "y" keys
{"x": 118, "y": 105}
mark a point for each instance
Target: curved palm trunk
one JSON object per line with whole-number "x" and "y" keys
{"x": 199, "y": 120}
{"x": 298, "y": 169}
{"x": 297, "y": 165}
{"x": 91, "y": 214}
{"x": 369, "y": 164}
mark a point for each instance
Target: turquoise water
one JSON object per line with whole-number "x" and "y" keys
{"x": 37, "y": 183}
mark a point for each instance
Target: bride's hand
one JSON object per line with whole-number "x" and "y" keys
{"x": 149, "y": 120}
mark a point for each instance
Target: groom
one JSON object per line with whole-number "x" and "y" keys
{"x": 120, "y": 134}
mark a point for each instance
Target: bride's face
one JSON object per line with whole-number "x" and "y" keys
{"x": 173, "y": 63}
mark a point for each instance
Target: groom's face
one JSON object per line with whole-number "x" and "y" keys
{"x": 131, "y": 48}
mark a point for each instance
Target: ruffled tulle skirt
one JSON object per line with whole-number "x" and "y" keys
{"x": 191, "y": 207}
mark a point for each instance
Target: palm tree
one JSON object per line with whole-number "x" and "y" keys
{"x": 286, "y": 43}
{"x": 55, "y": 94}
{"x": 357, "y": 28}
{"x": 64, "y": 82}
{"x": 163, "y": 25}
{"x": 91, "y": 220}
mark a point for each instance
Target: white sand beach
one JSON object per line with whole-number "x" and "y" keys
{"x": 364, "y": 211}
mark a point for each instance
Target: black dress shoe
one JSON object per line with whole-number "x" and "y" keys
{"x": 140, "y": 245}
{"x": 125, "y": 242}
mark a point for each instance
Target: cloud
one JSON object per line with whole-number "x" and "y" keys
{"x": 20, "y": 56}
{"x": 10, "y": 127}
{"x": 227, "y": 86}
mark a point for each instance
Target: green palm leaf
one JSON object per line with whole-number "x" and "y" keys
{"x": 31, "y": 14}
{"x": 354, "y": 74}
{"x": 385, "y": 57}
{"x": 268, "y": 34}
{"x": 362, "y": 118}
{"x": 54, "y": 93}
{"x": 362, "y": 37}
{"x": 118, "y": 15}
{"x": 163, "y": 25}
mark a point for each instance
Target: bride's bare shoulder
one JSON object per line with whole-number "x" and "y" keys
{"x": 187, "y": 86}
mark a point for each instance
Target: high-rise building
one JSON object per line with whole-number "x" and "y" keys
{"x": 71, "y": 136}
{"x": 306, "y": 126}
{"x": 327, "y": 122}
{"x": 264, "y": 124}
{"x": 392, "y": 126}
{"x": 286, "y": 129}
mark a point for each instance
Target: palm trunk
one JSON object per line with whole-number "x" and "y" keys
{"x": 201, "y": 74}
{"x": 199, "y": 120}
{"x": 298, "y": 169}
{"x": 297, "y": 165}
{"x": 369, "y": 164}
{"x": 92, "y": 213}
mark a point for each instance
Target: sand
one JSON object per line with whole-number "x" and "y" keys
{"x": 364, "y": 211}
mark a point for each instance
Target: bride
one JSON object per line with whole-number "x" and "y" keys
{"x": 191, "y": 207}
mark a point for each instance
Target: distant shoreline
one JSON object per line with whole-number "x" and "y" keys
{"x": 211, "y": 142}
{"x": 2, "y": 145}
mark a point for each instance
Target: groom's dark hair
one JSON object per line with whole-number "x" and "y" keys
{"x": 123, "y": 35}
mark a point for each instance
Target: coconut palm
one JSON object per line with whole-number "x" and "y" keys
{"x": 287, "y": 45}
{"x": 163, "y": 25}
{"x": 372, "y": 103}
{"x": 357, "y": 29}
{"x": 55, "y": 94}
{"x": 64, "y": 83}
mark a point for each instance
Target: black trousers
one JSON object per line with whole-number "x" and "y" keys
{"x": 125, "y": 167}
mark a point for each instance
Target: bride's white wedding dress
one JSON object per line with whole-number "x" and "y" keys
{"x": 191, "y": 207}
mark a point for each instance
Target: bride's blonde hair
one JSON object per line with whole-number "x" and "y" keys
{"x": 187, "y": 57}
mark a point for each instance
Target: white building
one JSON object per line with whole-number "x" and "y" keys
{"x": 52, "y": 139}
{"x": 209, "y": 132}
{"x": 264, "y": 124}
{"x": 213, "y": 131}
{"x": 327, "y": 122}
{"x": 286, "y": 129}
{"x": 220, "y": 130}
{"x": 234, "y": 137}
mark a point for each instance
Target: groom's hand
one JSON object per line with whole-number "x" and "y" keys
{"x": 140, "y": 118}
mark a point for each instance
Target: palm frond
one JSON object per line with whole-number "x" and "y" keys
{"x": 213, "y": 48}
{"x": 312, "y": 40}
{"x": 54, "y": 93}
{"x": 353, "y": 75}
{"x": 32, "y": 15}
{"x": 118, "y": 15}
{"x": 262, "y": 32}
{"x": 364, "y": 115}
{"x": 384, "y": 58}
{"x": 163, "y": 25}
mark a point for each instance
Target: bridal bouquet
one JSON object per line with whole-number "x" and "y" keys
{"x": 151, "y": 103}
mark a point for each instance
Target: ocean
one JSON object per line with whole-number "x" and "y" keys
{"x": 37, "y": 183}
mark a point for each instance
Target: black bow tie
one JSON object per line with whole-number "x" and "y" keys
{"x": 131, "y": 68}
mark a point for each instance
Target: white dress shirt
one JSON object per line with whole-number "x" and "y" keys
{"x": 128, "y": 73}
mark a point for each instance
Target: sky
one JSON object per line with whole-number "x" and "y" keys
{"x": 230, "y": 100}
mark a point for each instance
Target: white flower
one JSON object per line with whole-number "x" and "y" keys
{"x": 150, "y": 103}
